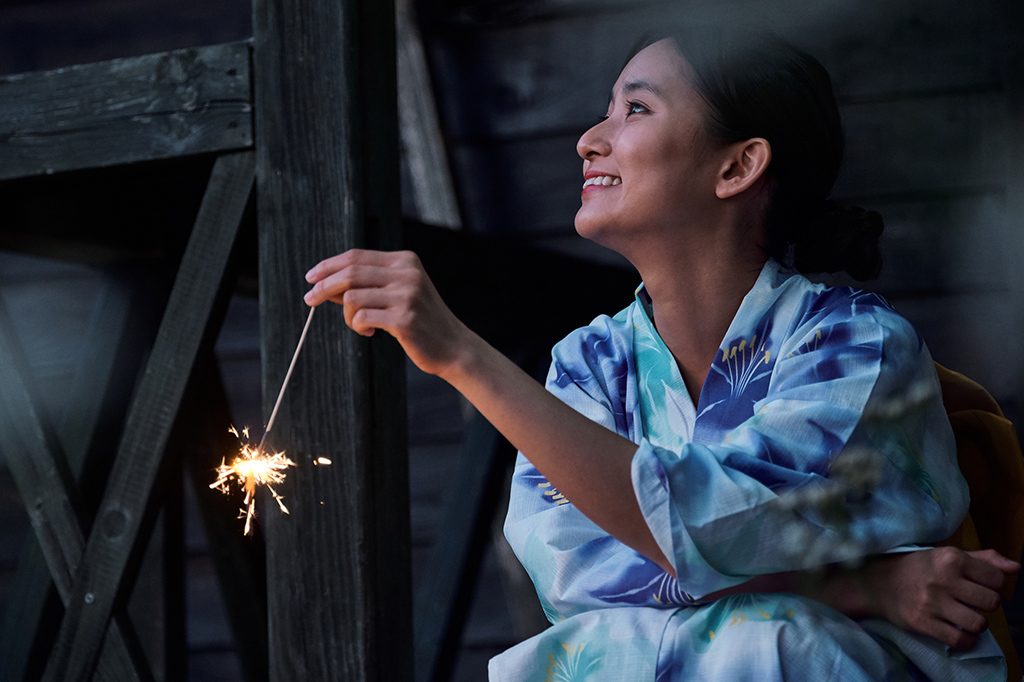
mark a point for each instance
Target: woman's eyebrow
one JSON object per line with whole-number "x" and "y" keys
{"x": 633, "y": 86}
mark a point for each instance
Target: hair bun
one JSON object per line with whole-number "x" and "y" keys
{"x": 840, "y": 238}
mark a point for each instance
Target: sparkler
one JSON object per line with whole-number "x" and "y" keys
{"x": 255, "y": 466}
{"x": 250, "y": 468}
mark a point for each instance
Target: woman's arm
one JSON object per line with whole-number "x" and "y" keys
{"x": 942, "y": 592}
{"x": 928, "y": 592}
{"x": 587, "y": 462}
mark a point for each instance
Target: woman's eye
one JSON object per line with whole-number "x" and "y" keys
{"x": 635, "y": 108}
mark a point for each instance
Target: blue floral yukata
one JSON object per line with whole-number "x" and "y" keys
{"x": 807, "y": 376}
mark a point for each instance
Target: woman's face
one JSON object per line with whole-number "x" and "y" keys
{"x": 645, "y": 160}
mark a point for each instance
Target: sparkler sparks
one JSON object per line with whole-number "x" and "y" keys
{"x": 254, "y": 466}
{"x": 250, "y": 468}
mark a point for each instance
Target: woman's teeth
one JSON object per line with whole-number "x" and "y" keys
{"x": 605, "y": 180}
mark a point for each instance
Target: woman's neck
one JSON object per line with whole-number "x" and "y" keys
{"x": 693, "y": 305}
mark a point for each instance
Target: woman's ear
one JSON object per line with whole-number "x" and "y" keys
{"x": 746, "y": 162}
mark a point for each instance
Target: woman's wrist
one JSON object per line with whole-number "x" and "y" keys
{"x": 469, "y": 351}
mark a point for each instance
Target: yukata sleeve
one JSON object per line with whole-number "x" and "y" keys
{"x": 849, "y": 453}
{"x": 576, "y": 566}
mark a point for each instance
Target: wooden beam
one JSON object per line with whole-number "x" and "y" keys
{"x": 37, "y": 462}
{"x": 150, "y": 418}
{"x": 338, "y": 574}
{"x": 90, "y": 396}
{"x": 158, "y": 106}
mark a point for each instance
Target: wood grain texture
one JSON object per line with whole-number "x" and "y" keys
{"x": 178, "y": 103}
{"x": 150, "y": 418}
{"x": 339, "y": 599}
{"x": 39, "y": 466}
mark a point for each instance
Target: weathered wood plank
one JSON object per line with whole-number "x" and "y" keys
{"x": 150, "y": 418}
{"x": 891, "y": 151}
{"x": 339, "y": 602}
{"x": 546, "y": 77}
{"x": 46, "y": 485}
{"x": 188, "y": 101}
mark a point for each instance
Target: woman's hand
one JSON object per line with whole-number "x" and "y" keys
{"x": 942, "y": 593}
{"x": 389, "y": 290}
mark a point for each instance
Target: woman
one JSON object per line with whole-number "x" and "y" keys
{"x": 685, "y": 444}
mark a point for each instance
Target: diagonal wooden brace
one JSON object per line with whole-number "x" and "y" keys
{"x": 150, "y": 418}
{"x": 44, "y": 481}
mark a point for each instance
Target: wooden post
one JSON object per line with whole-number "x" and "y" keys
{"x": 338, "y": 576}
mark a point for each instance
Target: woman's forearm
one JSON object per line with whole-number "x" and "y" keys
{"x": 588, "y": 463}
{"x": 844, "y": 589}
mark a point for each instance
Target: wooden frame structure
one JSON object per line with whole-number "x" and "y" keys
{"x": 325, "y": 161}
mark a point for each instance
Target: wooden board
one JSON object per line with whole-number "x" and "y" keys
{"x": 178, "y": 103}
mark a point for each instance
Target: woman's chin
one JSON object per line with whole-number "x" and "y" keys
{"x": 597, "y": 231}
{"x": 589, "y": 226}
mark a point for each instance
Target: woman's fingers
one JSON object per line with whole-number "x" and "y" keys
{"x": 975, "y": 596}
{"x": 982, "y": 572}
{"x": 950, "y": 635}
{"x": 390, "y": 290}
{"x": 354, "y": 300}
{"x": 385, "y": 259}
{"x": 991, "y": 556}
{"x": 963, "y": 617}
{"x": 365, "y": 320}
{"x": 350, "y": 277}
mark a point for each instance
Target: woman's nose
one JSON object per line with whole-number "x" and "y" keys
{"x": 594, "y": 142}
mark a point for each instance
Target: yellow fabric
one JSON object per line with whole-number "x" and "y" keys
{"x": 990, "y": 458}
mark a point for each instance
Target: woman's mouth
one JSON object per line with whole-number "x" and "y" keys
{"x": 601, "y": 181}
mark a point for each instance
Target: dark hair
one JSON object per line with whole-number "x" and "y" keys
{"x": 757, "y": 85}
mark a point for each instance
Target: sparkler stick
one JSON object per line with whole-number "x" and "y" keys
{"x": 287, "y": 376}
{"x": 254, "y": 467}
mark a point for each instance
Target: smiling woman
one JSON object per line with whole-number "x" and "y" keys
{"x": 736, "y": 426}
